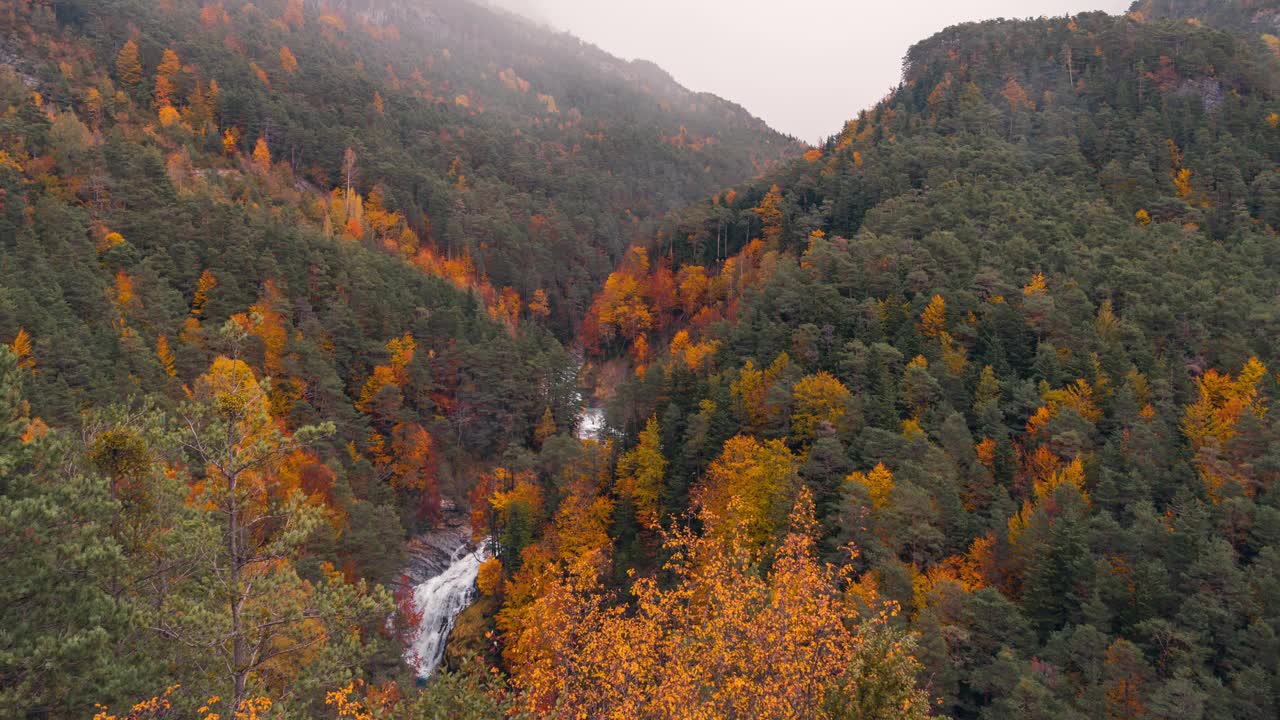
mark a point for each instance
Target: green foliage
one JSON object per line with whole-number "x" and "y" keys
{"x": 60, "y": 616}
{"x": 472, "y": 693}
{"x": 535, "y": 153}
{"x": 1003, "y": 288}
{"x": 882, "y": 683}
{"x": 1046, "y": 515}
{"x": 1242, "y": 15}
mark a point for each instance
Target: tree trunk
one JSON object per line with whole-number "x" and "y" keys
{"x": 239, "y": 661}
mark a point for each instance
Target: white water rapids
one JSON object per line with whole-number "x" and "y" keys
{"x": 440, "y": 599}
{"x": 443, "y": 596}
{"x": 591, "y": 423}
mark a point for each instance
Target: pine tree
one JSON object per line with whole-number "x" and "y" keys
{"x": 249, "y": 606}
{"x": 57, "y": 558}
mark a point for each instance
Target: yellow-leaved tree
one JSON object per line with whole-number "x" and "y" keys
{"x": 770, "y": 212}
{"x": 821, "y": 403}
{"x": 262, "y": 156}
{"x": 641, "y": 472}
{"x": 933, "y": 321}
{"x": 878, "y": 483}
{"x": 1212, "y": 424}
{"x": 243, "y": 610}
{"x": 750, "y": 488}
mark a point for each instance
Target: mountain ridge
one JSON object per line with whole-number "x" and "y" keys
{"x": 989, "y": 323}
{"x": 967, "y": 411}
{"x": 1241, "y": 15}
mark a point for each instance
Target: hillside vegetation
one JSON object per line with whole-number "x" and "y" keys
{"x": 278, "y": 280}
{"x": 1014, "y": 331}
{"x": 965, "y": 413}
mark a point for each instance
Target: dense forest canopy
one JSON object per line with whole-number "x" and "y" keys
{"x": 1245, "y": 15}
{"x": 964, "y": 413}
{"x": 282, "y": 281}
{"x": 511, "y": 154}
{"x": 1014, "y": 331}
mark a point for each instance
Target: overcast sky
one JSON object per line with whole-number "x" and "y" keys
{"x": 805, "y": 66}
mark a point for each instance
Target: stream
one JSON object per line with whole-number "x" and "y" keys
{"x": 591, "y": 411}
{"x": 445, "y": 563}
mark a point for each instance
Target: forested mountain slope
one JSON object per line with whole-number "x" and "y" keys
{"x": 1261, "y": 16}
{"x": 277, "y": 281}
{"x": 535, "y": 155}
{"x": 351, "y": 172}
{"x": 1015, "y": 331}
{"x": 966, "y": 412}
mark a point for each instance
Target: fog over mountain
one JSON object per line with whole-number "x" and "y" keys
{"x": 808, "y": 68}
{"x": 418, "y": 359}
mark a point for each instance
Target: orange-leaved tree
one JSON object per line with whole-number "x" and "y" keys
{"x": 21, "y": 347}
{"x": 167, "y": 78}
{"x": 721, "y": 638}
{"x": 262, "y": 156}
{"x": 128, "y": 67}
{"x": 288, "y": 62}
{"x": 1213, "y": 426}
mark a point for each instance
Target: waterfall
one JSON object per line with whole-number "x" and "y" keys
{"x": 440, "y": 599}
{"x": 590, "y": 422}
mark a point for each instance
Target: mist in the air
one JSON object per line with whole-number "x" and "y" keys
{"x": 804, "y": 66}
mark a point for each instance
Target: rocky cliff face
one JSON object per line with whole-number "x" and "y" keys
{"x": 429, "y": 554}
